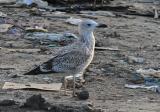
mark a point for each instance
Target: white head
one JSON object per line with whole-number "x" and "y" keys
{"x": 89, "y": 25}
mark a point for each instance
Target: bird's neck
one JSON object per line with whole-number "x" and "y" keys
{"x": 88, "y": 39}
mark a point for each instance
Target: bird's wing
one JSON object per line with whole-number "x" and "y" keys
{"x": 65, "y": 62}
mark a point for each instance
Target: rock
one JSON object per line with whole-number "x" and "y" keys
{"x": 7, "y": 102}
{"x": 83, "y": 95}
{"x": 36, "y": 102}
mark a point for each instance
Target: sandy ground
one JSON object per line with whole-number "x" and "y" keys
{"x": 108, "y": 72}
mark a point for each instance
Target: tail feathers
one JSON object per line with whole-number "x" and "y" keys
{"x": 37, "y": 71}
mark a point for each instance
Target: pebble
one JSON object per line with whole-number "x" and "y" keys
{"x": 83, "y": 95}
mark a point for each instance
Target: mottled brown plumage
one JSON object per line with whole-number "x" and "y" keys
{"x": 75, "y": 58}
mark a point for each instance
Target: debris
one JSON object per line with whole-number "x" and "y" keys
{"x": 7, "y": 102}
{"x": 39, "y": 3}
{"x": 26, "y": 2}
{"x": 132, "y": 59}
{"x": 50, "y": 36}
{"x": 153, "y": 88}
{"x": 36, "y": 29}
{"x": 73, "y": 21}
{"x": 149, "y": 73}
{"x": 83, "y": 94}
{"x": 107, "y": 48}
{"x": 45, "y": 87}
{"x": 4, "y": 27}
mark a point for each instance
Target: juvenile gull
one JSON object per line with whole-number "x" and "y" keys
{"x": 75, "y": 58}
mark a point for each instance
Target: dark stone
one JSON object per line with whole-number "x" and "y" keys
{"x": 83, "y": 95}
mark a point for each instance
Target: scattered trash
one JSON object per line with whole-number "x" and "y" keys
{"x": 73, "y": 21}
{"x": 36, "y": 29}
{"x": 153, "y": 88}
{"x": 147, "y": 79}
{"x": 26, "y": 2}
{"x": 132, "y": 59}
{"x": 4, "y": 27}
{"x": 45, "y": 87}
{"x": 51, "y": 36}
{"x": 7, "y": 102}
{"x": 149, "y": 73}
{"x": 39, "y": 3}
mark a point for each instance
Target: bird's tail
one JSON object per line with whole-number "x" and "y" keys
{"x": 34, "y": 71}
{"x": 37, "y": 71}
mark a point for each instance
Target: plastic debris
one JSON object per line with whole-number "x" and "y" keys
{"x": 50, "y": 36}
{"x": 73, "y": 21}
{"x": 149, "y": 73}
{"x": 153, "y": 88}
{"x": 40, "y": 3}
{"x": 27, "y": 2}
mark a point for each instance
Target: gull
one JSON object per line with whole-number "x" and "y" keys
{"x": 74, "y": 58}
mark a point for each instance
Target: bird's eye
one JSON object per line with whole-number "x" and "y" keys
{"x": 88, "y": 24}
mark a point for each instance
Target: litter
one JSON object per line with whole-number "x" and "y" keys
{"x": 45, "y": 87}
{"x": 27, "y": 2}
{"x": 50, "y": 36}
{"x": 149, "y": 73}
{"x": 40, "y": 3}
{"x": 154, "y": 88}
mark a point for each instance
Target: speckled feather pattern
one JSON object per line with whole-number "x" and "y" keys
{"x": 74, "y": 58}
